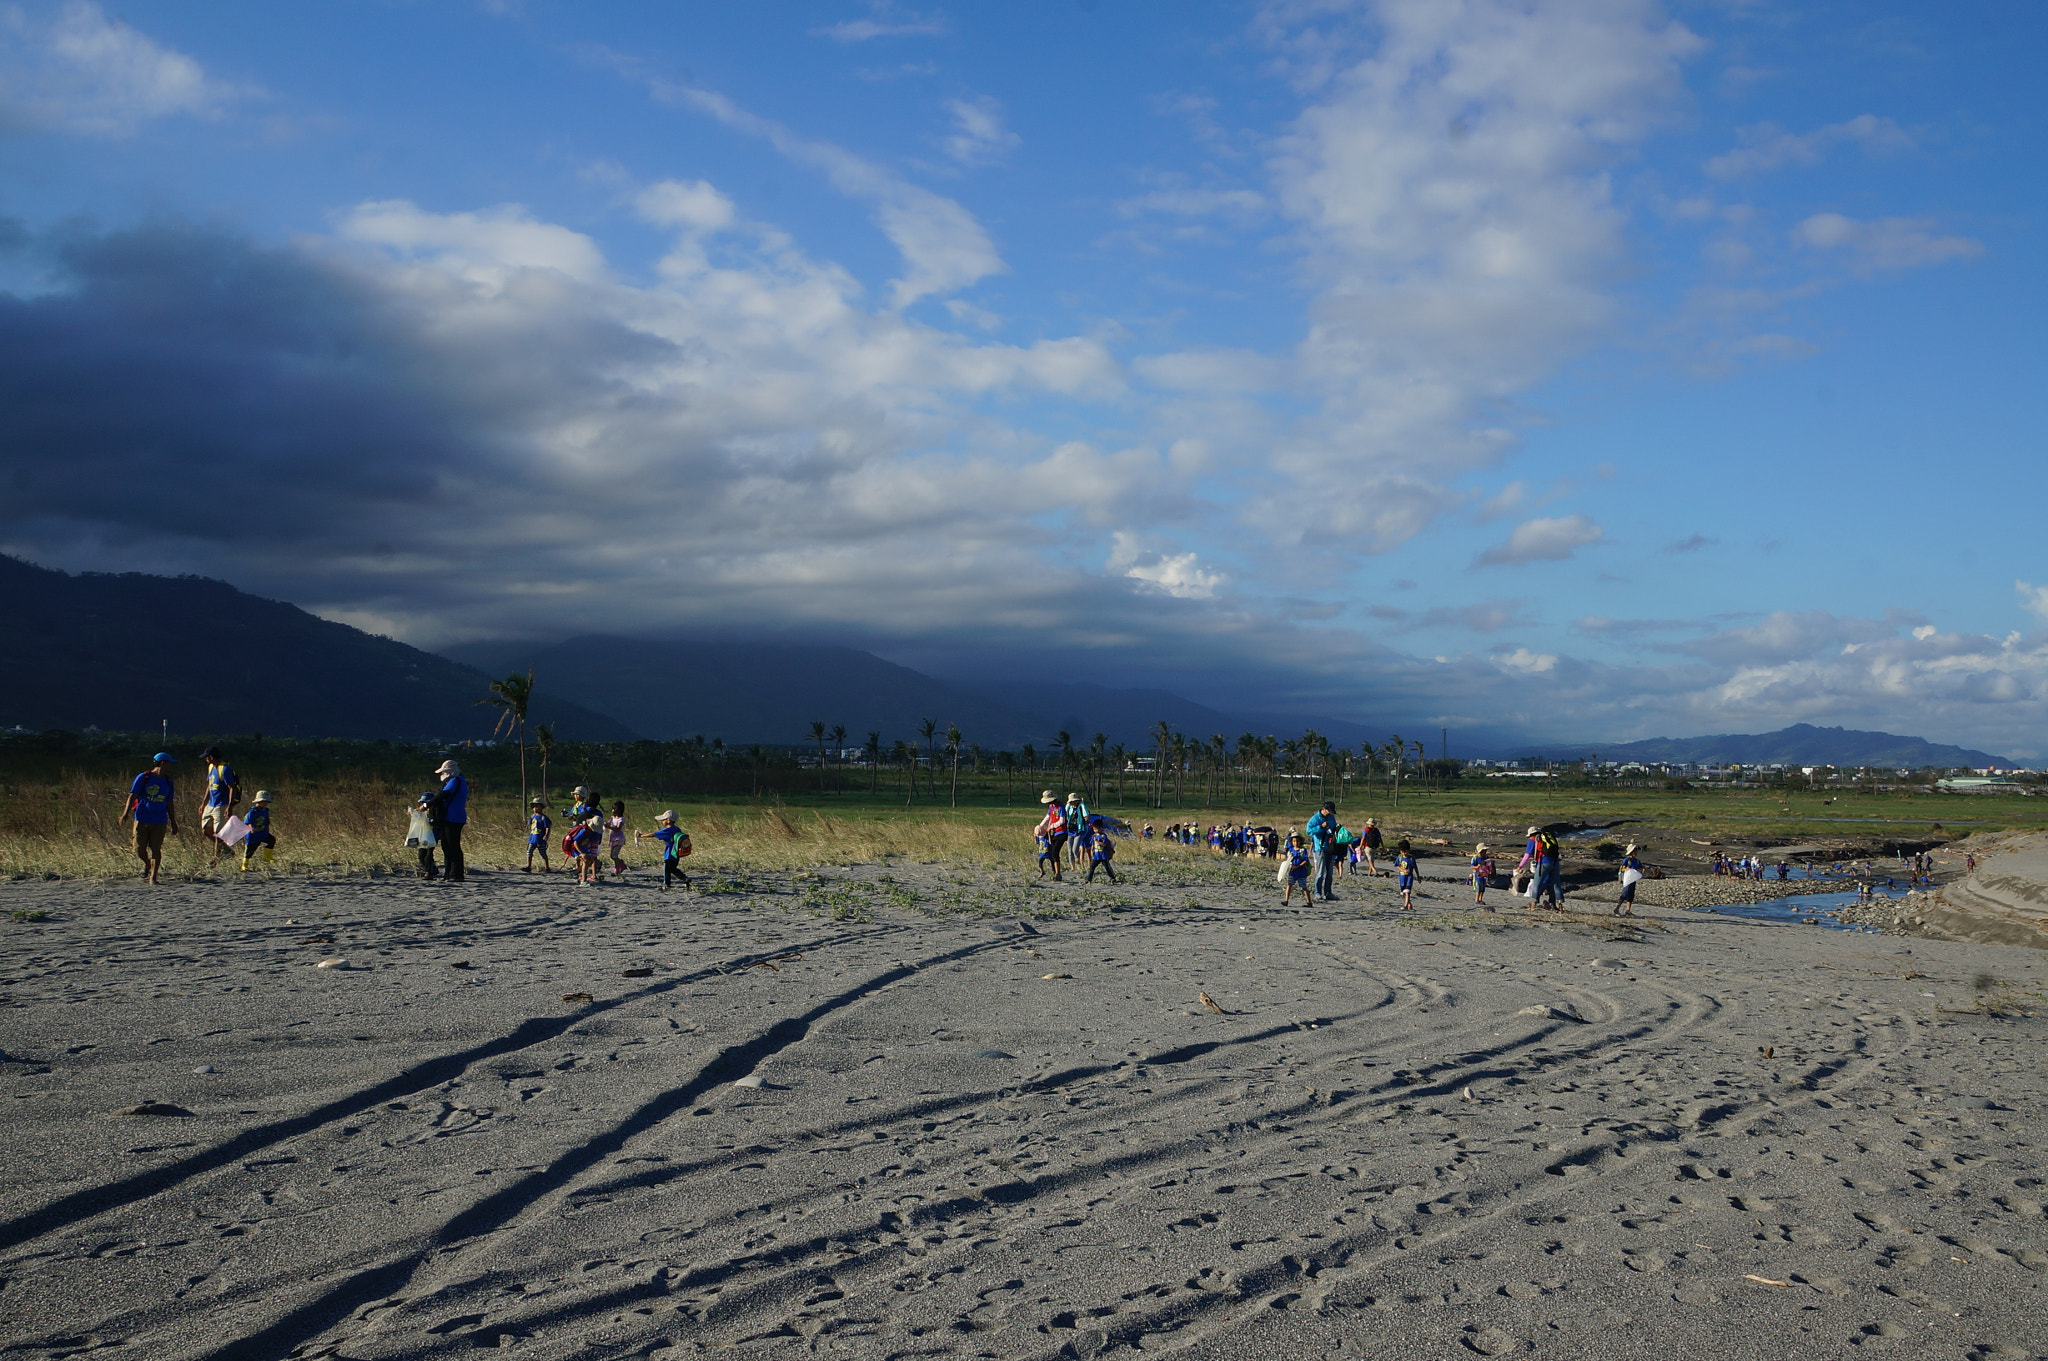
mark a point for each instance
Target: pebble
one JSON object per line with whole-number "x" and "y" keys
{"x": 332, "y": 964}
{"x": 751, "y": 1080}
{"x": 151, "y": 1108}
{"x": 203, "y": 1069}
{"x": 992, "y": 1054}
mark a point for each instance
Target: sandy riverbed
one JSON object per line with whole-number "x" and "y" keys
{"x": 1473, "y": 1133}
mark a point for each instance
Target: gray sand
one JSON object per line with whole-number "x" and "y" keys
{"x": 1466, "y": 1134}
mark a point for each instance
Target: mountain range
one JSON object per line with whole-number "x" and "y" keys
{"x": 130, "y": 652}
{"x": 126, "y": 652}
{"x": 1800, "y": 744}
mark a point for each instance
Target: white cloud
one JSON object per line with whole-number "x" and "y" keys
{"x": 978, "y": 136}
{"x": 487, "y": 247}
{"x": 2033, "y": 598}
{"x": 1767, "y": 147}
{"x": 884, "y": 20}
{"x": 1527, "y": 662}
{"x": 695, "y": 205}
{"x": 1884, "y": 243}
{"x": 1451, "y": 191}
{"x": 1543, "y": 540}
{"x": 1240, "y": 203}
{"x": 85, "y": 72}
{"x": 944, "y": 248}
{"x": 1177, "y": 574}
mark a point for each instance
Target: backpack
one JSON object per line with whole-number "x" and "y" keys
{"x": 682, "y": 845}
{"x": 1371, "y": 838}
{"x": 1546, "y": 846}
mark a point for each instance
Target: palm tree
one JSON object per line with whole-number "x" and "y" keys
{"x": 818, "y": 736}
{"x": 839, "y": 737}
{"x": 1180, "y": 765}
{"x": 1065, "y": 742}
{"x": 874, "y": 753}
{"x": 1121, "y": 758}
{"x": 1421, "y": 760}
{"x": 544, "y": 738}
{"x": 1098, "y": 745}
{"x": 929, "y": 731}
{"x": 907, "y": 754}
{"x": 512, "y": 696}
{"x": 1161, "y": 736}
{"x": 1219, "y": 754}
{"x": 953, "y": 747}
{"x": 1370, "y": 753}
{"x": 1007, "y": 763}
{"x": 1396, "y": 752}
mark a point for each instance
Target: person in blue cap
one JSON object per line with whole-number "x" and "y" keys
{"x": 150, "y": 805}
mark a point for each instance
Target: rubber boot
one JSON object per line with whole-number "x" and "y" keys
{"x": 270, "y": 855}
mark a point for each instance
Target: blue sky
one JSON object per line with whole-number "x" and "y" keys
{"x": 1593, "y": 370}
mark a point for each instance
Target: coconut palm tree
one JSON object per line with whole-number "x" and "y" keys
{"x": 544, "y": 738}
{"x": 1396, "y": 752}
{"x": 928, "y": 729}
{"x": 818, "y": 736}
{"x": 874, "y": 755}
{"x": 907, "y": 754}
{"x": 953, "y": 748}
{"x": 512, "y": 696}
{"x": 1007, "y": 763}
{"x": 839, "y": 737}
{"x": 1162, "y": 735}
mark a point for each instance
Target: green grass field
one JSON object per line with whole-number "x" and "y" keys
{"x": 340, "y": 808}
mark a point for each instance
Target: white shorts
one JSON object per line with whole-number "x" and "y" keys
{"x": 212, "y": 818}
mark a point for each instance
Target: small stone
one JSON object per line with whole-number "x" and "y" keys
{"x": 203, "y": 1069}
{"x": 151, "y": 1108}
{"x": 751, "y": 1080}
{"x": 332, "y": 964}
{"x": 1056, "y": 975}
{"x": 991, "y": 1054}
{"x": 577, "y": 998}
{"x": 636, "y": 973}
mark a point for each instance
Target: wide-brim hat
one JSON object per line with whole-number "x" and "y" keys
{"x": 1072, "y": 797}
{"x": 536, "y": 802}
{"x": 448, "y": 768}
{"x": 1480, "y": 849}
{"x": 1630, "y": 849}
{"x": 1532, "y": 831}
{"x": 665, "y": 817}
{"x": 1048, "y": 797}
{"x": 262, "y": 796}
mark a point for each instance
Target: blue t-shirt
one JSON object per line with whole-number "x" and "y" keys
{"x": 1297, "y": 862}
{"x": 150, "y": 796}
{"x": 671, "y": 839}
{"x": 537, "y": 827}
{"x": 219, "y": 779}
{"x": 258, "y": 818}
{"x": 457, "y": 807}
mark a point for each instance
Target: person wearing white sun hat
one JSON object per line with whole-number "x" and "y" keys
{"x": 453, "y": 801}
{"x": 1051, "y": 832}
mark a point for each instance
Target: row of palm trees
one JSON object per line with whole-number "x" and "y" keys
{"x": 1213, "y": 762}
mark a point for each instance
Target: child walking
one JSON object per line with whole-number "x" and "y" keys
{"x": 675, "y": 844}
{"x": 1298, "y": 863}
{"x": 258, "y": 821}
{"x": 1631, "y": 875}
{"x": 1101, "y": 850}
{"x": 616, "y": 834}
{"x": 587, "y": 841}
{"x": 538, "y": 825}
{"x": 1482, "y": 872}
{"x": 1404, "y": 865}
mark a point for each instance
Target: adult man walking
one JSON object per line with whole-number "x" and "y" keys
{"x": 453, "y": 806}
{"x": 150, "y": 805}
{"x": 223, "y": 792}
{"x": 1322, "y": 844}
{"x": 1077, "y": 822}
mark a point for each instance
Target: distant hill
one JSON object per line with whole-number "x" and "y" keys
{"x": 1802, "y": 744}
{"x": 125, "y": 652}
{"x": 771, "y": 693}
{"x": 752, "y": 692}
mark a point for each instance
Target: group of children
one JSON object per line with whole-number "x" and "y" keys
{"x": 591, "y": 832}
{"x": 1070, "y": 830}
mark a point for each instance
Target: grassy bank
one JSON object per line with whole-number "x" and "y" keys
{"x": 334, "y": 815}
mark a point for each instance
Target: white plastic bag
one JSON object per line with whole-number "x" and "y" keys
{"x": 419, "y": 835}
{"x": 235, "y": 831}
{"x": 1630, "y": 877}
